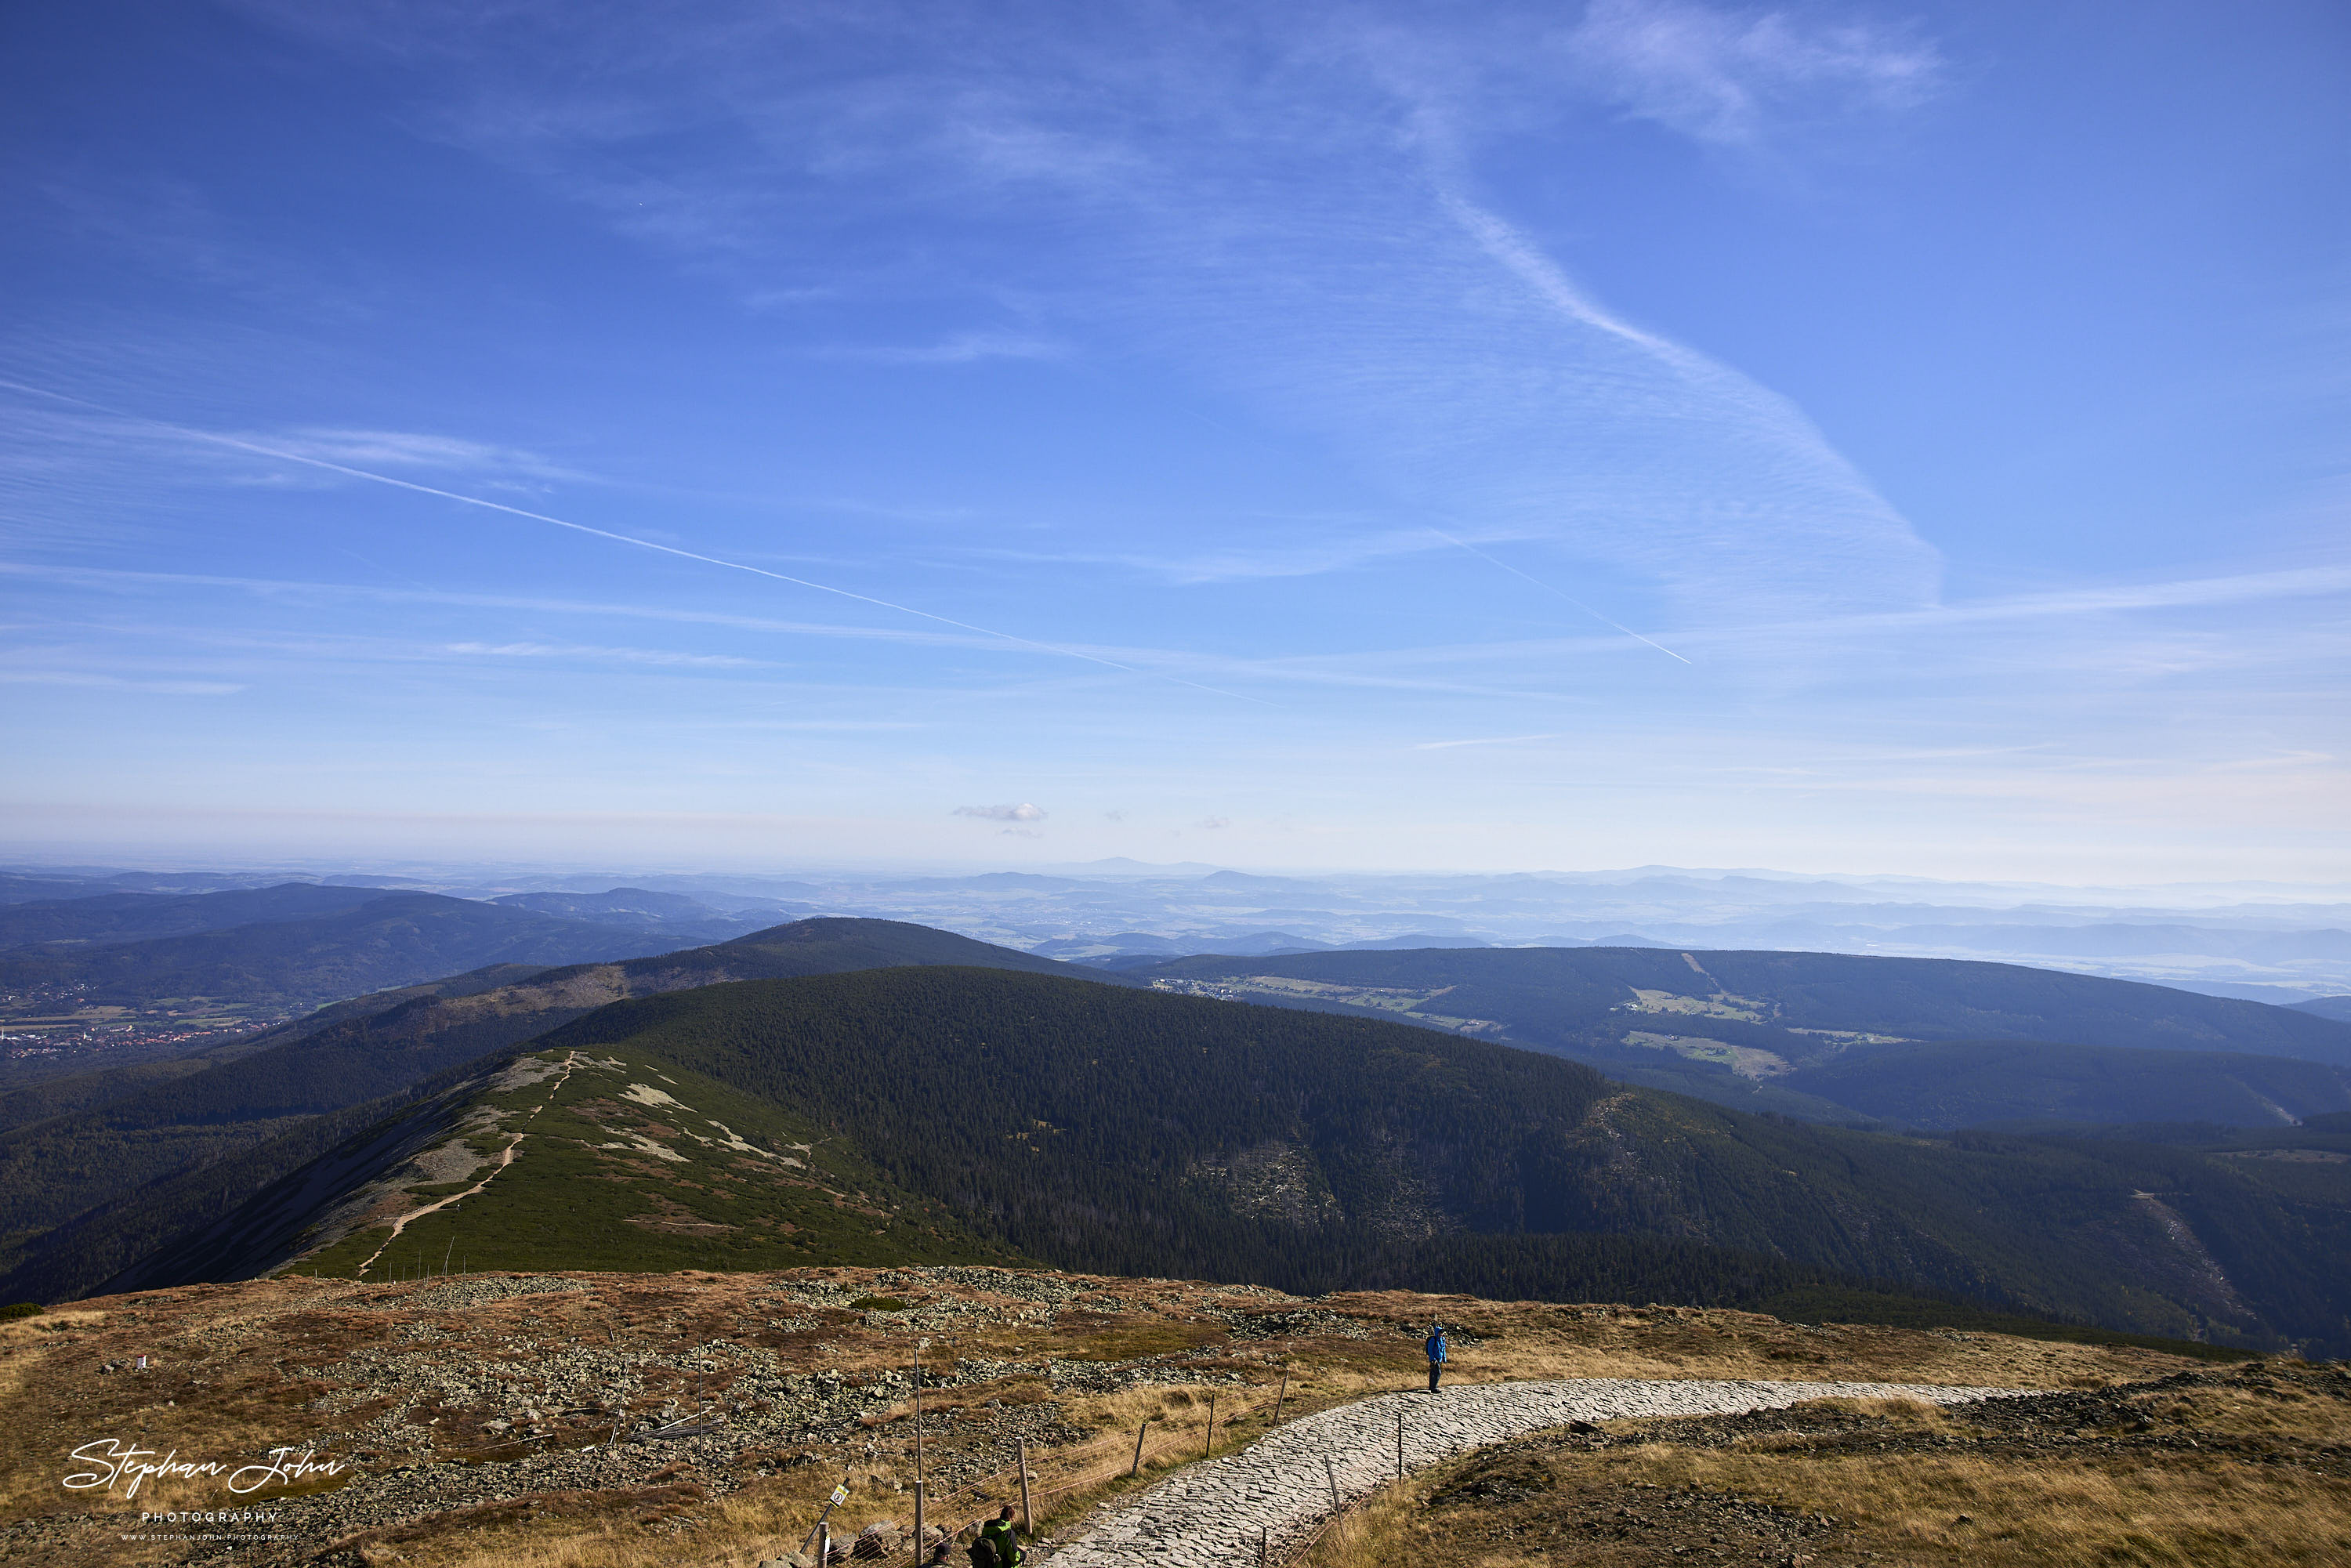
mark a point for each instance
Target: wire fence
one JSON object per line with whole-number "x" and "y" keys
{"x": 1042, "y": 1501}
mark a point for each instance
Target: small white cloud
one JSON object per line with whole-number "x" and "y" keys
{"x": 1718, "y": 76}
{"x": 1214, "y": 822}
{"x": 1023, "y": 812}
{"x": 962, "y": 349}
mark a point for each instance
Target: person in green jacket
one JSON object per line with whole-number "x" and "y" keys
{"x": 998, "y": 1532}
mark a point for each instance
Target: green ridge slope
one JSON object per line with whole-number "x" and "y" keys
{"x": 98, "y": 1183}
{"x": 602, "y": 1159}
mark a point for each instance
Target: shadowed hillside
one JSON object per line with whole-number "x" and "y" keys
{"x": 1779, "y": 1031}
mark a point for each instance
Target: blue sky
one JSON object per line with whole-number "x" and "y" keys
{"x": 1863, "y": 437}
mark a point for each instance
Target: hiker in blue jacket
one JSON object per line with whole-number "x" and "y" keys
{"x": 1436, "y": 1348}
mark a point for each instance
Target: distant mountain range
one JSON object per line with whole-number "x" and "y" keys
{"x": 974, "y": 1100}
{"x": 57, "y": 925}
{"x": 292, "y": 946}
{"x": 2266, "y": 942}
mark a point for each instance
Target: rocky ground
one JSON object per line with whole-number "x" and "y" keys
{"x": 703, "y": 1418}
{"x": 2246, "y": 1466}
{"x": 1262, "y": 1502}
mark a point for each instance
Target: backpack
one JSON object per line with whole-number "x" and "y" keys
{"x": 983, "y": 1553}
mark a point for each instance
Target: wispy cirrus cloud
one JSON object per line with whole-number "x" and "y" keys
{"x": 1721, "y": 76}
{"x": 102, "y": 681}
{"x": 666, "y": 657}
{"x": 225, "y": 443}
{"x": 1486, "y": 740}
{"x": 413, "y": 450}
{"x": 1282, "y": 207}
{"x": 956, "y": 349}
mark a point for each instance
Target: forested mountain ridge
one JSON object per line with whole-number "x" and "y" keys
{"x": 1948, "y": 1084}
{"x": 250, "y": 1107}
{"x": 1779, "y": 1031}
{"x": 390, "y": 939}
{"x": 1566, "y": 993}
{"x": 116, "y": 918}
{"x": 1146, "y": 1133}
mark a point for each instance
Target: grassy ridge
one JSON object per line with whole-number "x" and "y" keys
{"x": 103, "y": 1168}
{"x": 703, "y": 1177}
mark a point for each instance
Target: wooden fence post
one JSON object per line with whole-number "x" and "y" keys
{"x": 1139, "y": 1431}
{"x": 1027, "y": 1521}
{"x": 1399, "y": 1442}
{"x": 1333, "y": 1477}
{"x": 1279, "y": 1398}
{"x": 1209, "y": 1440}
{"x": 921, "y": 1545}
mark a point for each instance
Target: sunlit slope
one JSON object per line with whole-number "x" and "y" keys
{"x": 593, "y": 1159}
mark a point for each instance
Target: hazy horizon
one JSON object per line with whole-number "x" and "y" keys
{"x": 161, "y": 859}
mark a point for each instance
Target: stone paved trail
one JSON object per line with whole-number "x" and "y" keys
{"x": 1210, "y": 1514}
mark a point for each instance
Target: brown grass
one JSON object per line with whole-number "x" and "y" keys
{"x": 1921, "y": 1492}
{"x": 233, "y": 1357}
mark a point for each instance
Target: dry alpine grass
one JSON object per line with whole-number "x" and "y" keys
{"x": 238, "y": 1368}
{"x": 2249, "y": 1468}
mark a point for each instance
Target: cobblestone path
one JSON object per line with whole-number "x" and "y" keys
{"x": 1211, "y": 1514}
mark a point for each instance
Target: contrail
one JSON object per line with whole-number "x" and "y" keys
{"x": 1547, "y": 587}
{"x": 229, "y": 441}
